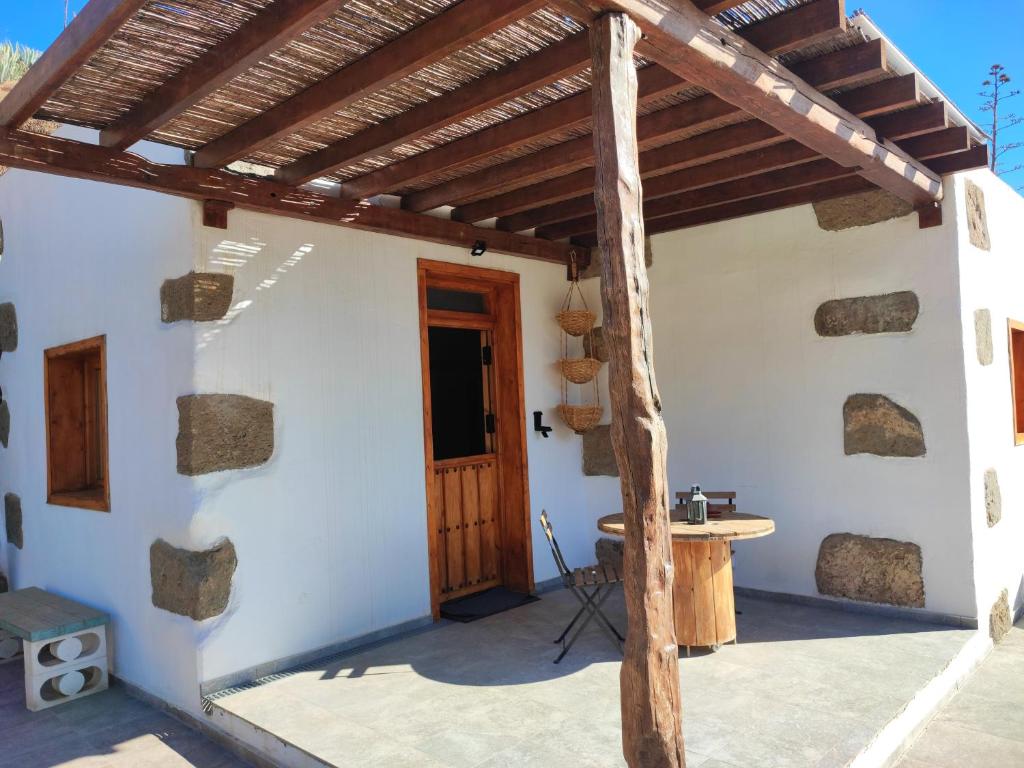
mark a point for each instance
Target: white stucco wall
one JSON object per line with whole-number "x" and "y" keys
{"x": 993, "y": 280}
{"x": 331, "y": 533}
{"x": 753, "y": 397}
{"x": 83, "y": 259}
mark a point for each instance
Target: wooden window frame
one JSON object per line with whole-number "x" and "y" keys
{"x": 1015, "y": 331}
{"x": 96, "y": 498}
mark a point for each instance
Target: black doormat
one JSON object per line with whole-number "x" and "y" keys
{"x": 483, "y": 604}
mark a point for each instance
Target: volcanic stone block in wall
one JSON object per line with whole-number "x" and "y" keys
{"x": 871, "y": 570}
{"x": 598, "y": 455}
{"x": 983, "y": 335}
{"x": 5, "y": 423}
{"x": 1000, "y": 620}
{"x": 977, "y": 222}
{"x": 8, "y": 328}
{"x": 860, "y": 210}
{"x": 875, "y": 424}
{"x": 594, "y": 345}
{"x": 218, "y": 432}
{"x": 609, "y": 552}
{"x": 993, "y": 498}
{"x": 594, "y": 270}
{"x": 199, "y": 296}
{"x": 4, "y": 585}
{"x": 888, "y": 313}
{"x": 12, "y": 520}
{"x": 189, "y": 583}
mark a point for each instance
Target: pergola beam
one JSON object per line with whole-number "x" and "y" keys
{"x": 547, "y": 66}
{"x": 703, "y": 51}
{"x": 431, "y": 41}
{"x": 653, "y": 129}
{"x": 868, "y": 100}
{"x": 265, "y": 33}
{"x": 48, "y": 154}
{"x": 772, "y": 158}
{"x": 654, "y": 82}
{"x": 86, "y": 34}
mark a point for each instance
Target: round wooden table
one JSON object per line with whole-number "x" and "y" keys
{"x": 702, "y": 596}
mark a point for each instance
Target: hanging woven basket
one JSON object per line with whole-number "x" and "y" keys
{"x": 581, "y": 418}
{"x": 576, "y": 322}
{"x": 579, "y": 370}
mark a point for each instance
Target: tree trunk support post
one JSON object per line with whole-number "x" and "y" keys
{"x": 652, "y": 735}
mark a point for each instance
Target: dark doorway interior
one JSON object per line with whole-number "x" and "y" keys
{"x": 458, "y": 392}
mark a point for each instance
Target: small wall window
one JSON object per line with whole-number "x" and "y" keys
{"x": 1017, "y": 378}
{"x": 75, "y": 379}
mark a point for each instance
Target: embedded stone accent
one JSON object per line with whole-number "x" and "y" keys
{"x": 993, "y": 498}
{"x": 1000, "y": 619}
{"x": 198, "y": 296}
{"x": 983, "y": 335}
{"x": 875, "y": 424}
{"x": 5, "y": 423}
{"x": 4, "y": 585}
{"x": 977, "y": 222}
{"x": 594, "y": 270}
{"x": 190, "y": 583}
{"x": 594, "y": 345}
{"x": 609, "y": 552}
{"x": 598, "y": 454}
{"x": 860, "y": 210}
{"x": 218, "y": 432}
{"x": 8, "y": 328}
{"x": 13, "y": 521}
{"x": 888, "y": 313}
{"x": 870, "y": 570}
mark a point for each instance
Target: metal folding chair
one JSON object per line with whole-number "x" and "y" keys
{"x": 600, "y": 580}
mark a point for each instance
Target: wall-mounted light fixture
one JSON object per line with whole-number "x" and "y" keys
{"x": 479, "y": 248}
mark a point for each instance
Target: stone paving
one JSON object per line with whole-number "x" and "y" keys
{"x": 107, "y": 730}
{"x": 807, "y": 687}
{"x": 983, "y": 726}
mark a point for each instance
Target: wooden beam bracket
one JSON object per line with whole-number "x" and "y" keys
{"x": 929, "y": 215}
{"x": 215, "y": 213}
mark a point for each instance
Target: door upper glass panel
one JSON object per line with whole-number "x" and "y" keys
{"x": 451, "y": 300}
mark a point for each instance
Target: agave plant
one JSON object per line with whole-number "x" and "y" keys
{"x": 15, "y": 59}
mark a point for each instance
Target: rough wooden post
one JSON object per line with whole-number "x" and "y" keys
{"x": 652, "y": 735}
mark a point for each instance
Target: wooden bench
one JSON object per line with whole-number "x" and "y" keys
{"x": 64, "y": 645}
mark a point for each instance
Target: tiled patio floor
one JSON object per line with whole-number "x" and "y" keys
{"x": 983, "y": 726}
{"x": 107, "y": 730}
{"x": 806, "y": 686}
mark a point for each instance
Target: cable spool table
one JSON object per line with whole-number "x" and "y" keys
{"x": 702, "y": 595}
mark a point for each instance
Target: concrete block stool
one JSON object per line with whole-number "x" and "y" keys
{"x": 64, "y": 644}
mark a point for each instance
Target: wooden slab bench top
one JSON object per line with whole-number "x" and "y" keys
{"x": 34, "y": 614}
{"x": 731, "y": 526}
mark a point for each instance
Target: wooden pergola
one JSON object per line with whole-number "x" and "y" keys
{"x": 540, "y": 128}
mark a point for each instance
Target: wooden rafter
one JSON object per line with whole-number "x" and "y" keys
{"x": 265, "y": 33}
{"x": 431, "y": 41}
{"x": 85, "y": 35}
{"x": 48, "y": 154}
{"x": 698, "y": 48}
{"x": 550, "y": 64}
{"x": 772, "y": 158}
{"x": 653, "y": 83}
{"x": 976, "y": 157}
{"x": 868, "y": 100}
{"x": 569, "y": 113}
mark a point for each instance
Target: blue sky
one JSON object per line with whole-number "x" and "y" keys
{"x": 953, "y": 42}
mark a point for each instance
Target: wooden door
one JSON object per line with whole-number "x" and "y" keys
{"x": 474, "y": 432}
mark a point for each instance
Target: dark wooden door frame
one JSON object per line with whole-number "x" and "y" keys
{"x": 502, "y": 289}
